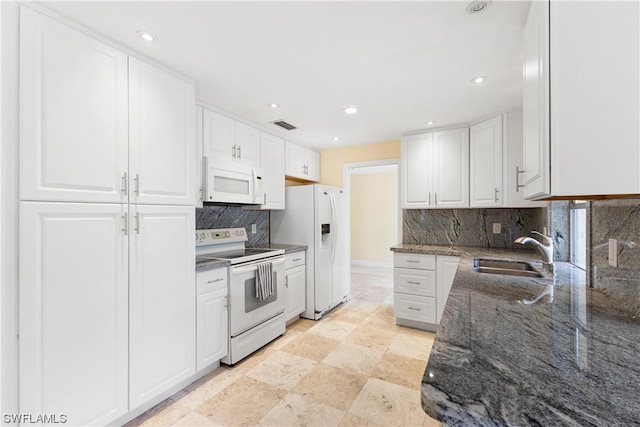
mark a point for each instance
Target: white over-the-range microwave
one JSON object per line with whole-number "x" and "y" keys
{"x": 235, "y": 183}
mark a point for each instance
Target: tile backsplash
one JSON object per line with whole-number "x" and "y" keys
{"x": 227, "y": 216}
{"x": 471, "y": 227}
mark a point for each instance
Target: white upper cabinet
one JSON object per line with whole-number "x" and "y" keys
{"x": 581, "y": 122}
{"x": 435, "y": 170}
{"x": 416, "y": 180}
{"x": 161, "y": 137}
{"x": 74, "y": 311}
{"x": 451, "y": 168}
{"x": 485, "y": 164}
{"x": 272, "y": 171}
{"x": 535, "y": 102}
{"x": 228, "y": 142}
{"x": 73, "y": 114}
{"x": 301, "y": 162}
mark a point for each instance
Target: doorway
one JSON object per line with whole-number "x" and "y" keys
{"x": 374, "y": 211}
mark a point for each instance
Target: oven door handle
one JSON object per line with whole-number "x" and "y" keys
{"x": 254, "y": 266}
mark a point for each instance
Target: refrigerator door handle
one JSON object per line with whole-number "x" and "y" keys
{"x": 334, "y": 220}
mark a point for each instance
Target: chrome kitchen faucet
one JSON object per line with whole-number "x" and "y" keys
{"x": 545, "y": 248}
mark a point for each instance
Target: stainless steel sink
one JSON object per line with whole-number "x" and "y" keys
{"x": 505, "y": 267}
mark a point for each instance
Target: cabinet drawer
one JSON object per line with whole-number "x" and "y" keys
{"x": 420, "y": 261}
{"x": 412, "y": 281}
{"x": 412, "y": 307}
{"x": 211, "y": 280}
{"x": 294, "y": 259}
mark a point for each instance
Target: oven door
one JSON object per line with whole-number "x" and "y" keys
{"x": 247, "y": 311}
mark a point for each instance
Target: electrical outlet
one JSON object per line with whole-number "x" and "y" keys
{"x": 613, "y": 252}
{"x": 497, "y": 228}
{"x": 254, "y": 229}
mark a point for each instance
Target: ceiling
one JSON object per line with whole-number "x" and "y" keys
{"x": 402, "y": 63}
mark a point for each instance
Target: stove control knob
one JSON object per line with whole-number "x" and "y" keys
{"x": 227, "y": 234}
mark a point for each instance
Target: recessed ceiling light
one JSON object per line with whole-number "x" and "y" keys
{"x": 146, "y": 35}
{"x": 478, "y": 6}
{"x": 273, "y": 105}
{"x": 336, "y": 139}
{"x": 351, "y": 109}
{"x": 479, "y": 79}
{"x": 430, "y": 123}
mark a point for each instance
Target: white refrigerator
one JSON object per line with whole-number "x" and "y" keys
{"x": 318, "y": 216}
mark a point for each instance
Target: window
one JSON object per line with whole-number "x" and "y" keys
{"x": 578, "y": 220}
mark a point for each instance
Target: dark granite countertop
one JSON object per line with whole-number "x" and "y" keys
{"x": 499, "y": 359}
{"x": 287, "y": 248}
{"x": 210, "y": 265}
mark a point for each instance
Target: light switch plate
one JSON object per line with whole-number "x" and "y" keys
{"x": 497, "y": 228}
{"x": 254, "y": 229}
{"x": 613, "y": 252}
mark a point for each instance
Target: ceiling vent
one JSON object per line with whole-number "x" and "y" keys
{"x": 284, "y": 125}
{"x": 478, "y": 6}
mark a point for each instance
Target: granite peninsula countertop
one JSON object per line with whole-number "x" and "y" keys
{"x": 499, "y": 358}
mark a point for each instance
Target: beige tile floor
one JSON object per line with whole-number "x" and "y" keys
{"x": 355, "y": 367}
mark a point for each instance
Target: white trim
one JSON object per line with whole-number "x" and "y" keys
{"x": 364, "y": 263}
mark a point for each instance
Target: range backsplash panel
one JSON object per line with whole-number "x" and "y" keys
{"x": 227, "y": 216}
{"x": 471, "y": 227}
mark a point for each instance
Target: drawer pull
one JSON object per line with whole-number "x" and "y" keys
{"x": 215, "y": 281}
{"x": 413, "y": 261}
{"x": 414, "y": 308}
{"x": 297, "y": 259}
{"x": 413, "y": 283}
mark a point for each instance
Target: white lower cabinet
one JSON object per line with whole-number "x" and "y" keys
{"x": 213, "y": 317}
{"x": 74, "y": 311}
{"x": 295, "y": 270}
{"x": 421, "y": 285}
{"x": 162, "y": 298}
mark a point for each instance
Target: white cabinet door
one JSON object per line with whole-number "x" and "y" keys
{"x": 512, "y": 180}
{"x": 219, "y": 135}
{"x": 416, "y": 176}
{"x": 73, "y": 114}
{"x": 73, "y": 311}
{"x": 451, "y": 168}
{"x": 295, "y": 160}
{"x": 445, "y": 273}
{"x": 535, "y": 102}
{"x": 247, "y": 145}
{"x": 213, "y": 327}
{"x": 162, "y": 299}
{"x": 312, "y": 163}
{"x": 273, "y": 171}
{"x": 161, "y": 137}
{"x": 296, "y": 296}
{"x": 485, "y": 158}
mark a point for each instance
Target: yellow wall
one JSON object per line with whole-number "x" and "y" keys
{"x": 374, "y": 216}
{"x": 332, "y": 161}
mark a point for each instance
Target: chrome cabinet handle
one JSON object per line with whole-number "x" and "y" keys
{"x": 125, "y": 225}
{"x": 219, "y": 279}
{"x": 496, "y": 195}
{"x": 414, "y": 308}
{"x": 137, "y": 217}
{"x": 226, "y": 302}
{"x": 297, "y": 259}
{"x": 265, "y": 199}
{"x": 518, "y": 185}
{"x": 413, "y": 261}
{"x": 239, "y": 152}
{"x": 125, "y": 184}
{"x": 413, "y": 283}
{"x": 233, "y": 151}
{"x": 136, "y": 187}
{"x": 436, "y": 198}
{"x": 429, "y": 198}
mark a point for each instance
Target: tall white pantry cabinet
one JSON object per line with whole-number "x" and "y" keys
{"x": 107, "y": 197}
